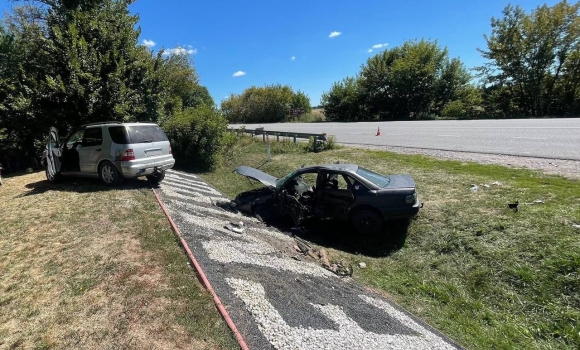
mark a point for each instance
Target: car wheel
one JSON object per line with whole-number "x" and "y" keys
{"x": 367, "y": 221}
{"x": 52, "y": 178}
{"x": 156, "y": 178}
{"x": 109, "y": 174}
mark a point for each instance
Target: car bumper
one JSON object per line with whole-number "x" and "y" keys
{"x": 130, "y": 169}
{"x": 402, "y": 212}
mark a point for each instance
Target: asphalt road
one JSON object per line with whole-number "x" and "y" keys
{"x": 542, "y": 138}
{"x": 278, "y": 302}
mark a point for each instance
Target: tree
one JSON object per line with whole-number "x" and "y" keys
{"x": 344, "y": 101}
{"x": 534, "y": 57}
{"x": 412, "y": 81}
{"x": 268, "y": 104}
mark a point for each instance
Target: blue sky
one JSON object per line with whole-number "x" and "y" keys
{"x": 260, "y": 38}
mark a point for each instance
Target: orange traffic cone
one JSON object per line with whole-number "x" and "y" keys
{"x": 378, "y": 131}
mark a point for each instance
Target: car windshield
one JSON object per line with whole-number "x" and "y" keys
{"x": 281, "y": 181}
{"x": 379, "y": 180}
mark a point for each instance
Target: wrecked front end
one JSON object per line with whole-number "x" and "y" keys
{"x": 248, "y": 201}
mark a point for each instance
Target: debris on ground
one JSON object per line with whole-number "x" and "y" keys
{"x": 324, "y": 258}
{"x": 362, "y": 265}
{"x": 474, "y": 188}
{"x": 239, "y": 224}
{"x": 553, "y": 164}
{"x": 537, "y": 201}
{"x": 496, "y": 183}
{"x": 486, "y": 185}
{"x": 297, "y": 258}
{"x": 234, "y": 229}
{"x": 514, "y": 206}
{"x": 321, "y": 256}
{"x": 576, "y": 225}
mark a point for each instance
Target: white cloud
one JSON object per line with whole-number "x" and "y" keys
{"x": 148, "y": 43}
{"x": 180, "y": 50}
{"x": 292, "y": 58}
{"x": 378, "y": 46}
{"x": 239, "y": 73}
{"x": 370, "y": 50}
{"x": 334, "y": 34}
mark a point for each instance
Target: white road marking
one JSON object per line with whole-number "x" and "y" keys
{"x": 192, "y": 188}
{"x": 348, "y": 336}
{"x": 450, "y": 135}
{"x": 182, "y": 179}
{"x": 192, "y": 196}
{"x": 256, "y": 253}
{"x": 179, "y": 173}
{"x": 531, "y": 138}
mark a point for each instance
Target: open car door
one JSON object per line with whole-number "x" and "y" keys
{"x": 53, "y": 156}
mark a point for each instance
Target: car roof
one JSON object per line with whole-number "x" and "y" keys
{"x": 114, "y": 123}
{"x": 333, "y": 167}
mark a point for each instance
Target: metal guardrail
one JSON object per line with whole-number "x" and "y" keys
{"x": 318, "y": 138}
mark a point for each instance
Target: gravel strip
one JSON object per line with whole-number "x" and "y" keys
{"x": 275, "y": 301}
{"x": 566, "y": 168}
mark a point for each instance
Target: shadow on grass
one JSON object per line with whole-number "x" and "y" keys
{"x": 81, "y": 185}
{"x": 341, "y": 236}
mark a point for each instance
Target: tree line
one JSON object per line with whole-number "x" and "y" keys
{"x": 65, "y": 63}
{"x": 532, "y": 69}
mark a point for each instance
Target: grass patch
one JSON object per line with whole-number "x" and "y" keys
{"x": 486, "y": 276}
{"x": 86, "y": 266}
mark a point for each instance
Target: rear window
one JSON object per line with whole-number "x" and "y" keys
{"x": 375, "y": 178}
{"x": 118, "y": 135}
{"x": 145, "y": 133}
{"x": 92, "y": 137}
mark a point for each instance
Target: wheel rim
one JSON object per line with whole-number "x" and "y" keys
{"x": 107, "y": 174}
{"x": 367, "y": 222}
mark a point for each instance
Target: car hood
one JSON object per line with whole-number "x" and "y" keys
{"x": 255, "y": 174}
{"x": 401, "y": 181}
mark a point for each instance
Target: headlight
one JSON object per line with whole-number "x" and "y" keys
{"x": 411, "y": 199}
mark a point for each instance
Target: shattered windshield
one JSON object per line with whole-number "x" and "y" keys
{"x": 379, "y": 180}
{"x": 281, "y": 181}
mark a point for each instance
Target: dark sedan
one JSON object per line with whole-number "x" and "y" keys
{"x": 334, "y": 191}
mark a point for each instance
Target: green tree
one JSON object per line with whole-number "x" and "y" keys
{"x": 411, "y": 81}
{"x": 267, "y": 104}
{"x": 344, "y": 101}
{"x": 534, "y": 57}
{"x": 196, "y": 134}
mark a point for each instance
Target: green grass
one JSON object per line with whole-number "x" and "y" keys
{"x": 488, "y": 277}
{"x": 86, "y": 266}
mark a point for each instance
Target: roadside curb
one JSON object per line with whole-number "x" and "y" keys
{"x": 203, "y": 278}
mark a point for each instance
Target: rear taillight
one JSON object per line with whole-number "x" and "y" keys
{"x": 170, "y": 152}
{"x": 128, "y": 155}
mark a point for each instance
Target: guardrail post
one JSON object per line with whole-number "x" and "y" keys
{"x": 294, "y": 138}
{"x": 277, "y": 137}
{"x": 264, "y": 137}
{"x": 315, "y": 143}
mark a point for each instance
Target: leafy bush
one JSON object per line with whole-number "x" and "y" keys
{"x": 196, "y": 136}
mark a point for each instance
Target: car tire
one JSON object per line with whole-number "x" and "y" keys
{"x": 109, "y": 174}
{"x": 156, "y": 177}
{"x": 53, "y": 179}
{"x": 367, "y": 221}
